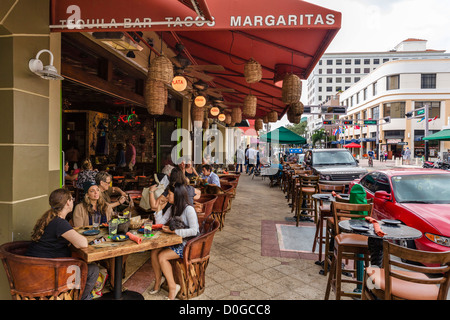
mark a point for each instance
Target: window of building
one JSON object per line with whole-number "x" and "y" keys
{"x": 320, "y": 89}
{"x": 348, "y": 61}
{"x": 329, "y": 71}
{"x": 338, "y": 80}
{"x": 357, "y": 61}
{"x": 329, "y": 80}
{"x": 357, "y": 98}
{"x": 320, "y": 80}
{"x": 329, "y": 62}
{"x": 374, "y": 89}
{"x": 348, "y": 70}
{"x": 320, "y": 71}
{"x": 376, "y": 61}
{"x": 339, "y": 62}
{"x": 366, "y": 70}
{"x": 434, "y": 111}
{"x": 394, "y": 109}
{"x": 428, "y": 81}
{"x": 385, "y": 60}
{"x": 348, "y": 80}
{"x": 393, "y": 82}
{"x": 320, "y": 62}
{"x": 338, "y": 89}
{"x": 376, "y": 113}
{"x": 365, "y": 94}
{"x": 339, "y": 71}
{"x": 366, "y": 61}
{"x": 357, "y": 70}
{"x": 357, "y": 79}
{"x": 329, "y": 89}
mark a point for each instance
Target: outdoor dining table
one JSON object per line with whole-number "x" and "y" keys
{"x": 394, "y": 231}
{"x": 118, "y": 249}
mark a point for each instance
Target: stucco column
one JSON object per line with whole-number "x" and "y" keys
{"x": 30, "y": 129}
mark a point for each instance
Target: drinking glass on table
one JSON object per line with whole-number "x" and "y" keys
{"x": 96, "y": 220}
{"x": 148, "y": 228}
{"x": 113, "y": 224}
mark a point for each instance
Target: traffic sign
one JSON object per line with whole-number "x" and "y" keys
{"x": 370, "y": 122}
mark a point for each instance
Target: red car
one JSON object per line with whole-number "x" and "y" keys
{"x": 420, "y": 198}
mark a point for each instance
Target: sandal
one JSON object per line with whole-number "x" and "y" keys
{"x": 159, "y": 289}
{"x": 178, "y": 288}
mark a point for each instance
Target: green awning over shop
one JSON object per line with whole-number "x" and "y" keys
{"x": 282, "y": 136}
{"x": 441, "y": 135}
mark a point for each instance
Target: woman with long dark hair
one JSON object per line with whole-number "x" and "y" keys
{"x": 53, "y": 234}
{"x": 182, "y": 210}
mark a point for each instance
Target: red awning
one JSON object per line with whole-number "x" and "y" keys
{"x": 283, "y": 36}
{"x": 352, "y": 145}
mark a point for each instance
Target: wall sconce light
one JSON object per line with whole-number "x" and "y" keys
{"x": 48, "y": 72}
{"x": 200, "y": 101}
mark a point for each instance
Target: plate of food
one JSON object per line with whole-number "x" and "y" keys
{"x": 119, "y": 237}
{"x": 91, "y": 232}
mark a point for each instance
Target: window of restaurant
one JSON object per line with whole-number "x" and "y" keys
{"x": 419, "y": 144}
{"x": 434, "y": 111}
{"x": 394, "y": 109}
{"x": 428, "y": 81}
{"x": 393, "y": 82}
{"x": 376, "y": 112}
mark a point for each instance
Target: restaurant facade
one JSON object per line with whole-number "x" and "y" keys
{"x": 101, "y": 101}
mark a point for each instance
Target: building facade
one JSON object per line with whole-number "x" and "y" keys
{"x": 337, "y": 72}
{"x": 392, "y": 90}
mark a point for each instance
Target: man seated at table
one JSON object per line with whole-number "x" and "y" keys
{"x": 211, "y": 177}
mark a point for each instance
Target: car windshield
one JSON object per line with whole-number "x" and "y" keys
{"x": 422, "y": 188}
{"x": 333, "y": 158}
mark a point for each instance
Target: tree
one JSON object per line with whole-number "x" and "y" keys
{"x": 299, "y": 128}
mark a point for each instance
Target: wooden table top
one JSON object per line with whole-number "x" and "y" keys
{"x": 111, "y": 249}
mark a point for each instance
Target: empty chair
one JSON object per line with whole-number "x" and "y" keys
{"x": 204, "y": 206}
{"x": 305, "y": 203}
{"x": 33, "y": 278}
{"x": 324, "y": 211}
{"x": 347, "y": 246}
{"x": 425, "y": 275}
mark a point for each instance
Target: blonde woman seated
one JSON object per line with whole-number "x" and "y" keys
{"x": 93, "y": 203}
{"x": 160, "y": 258}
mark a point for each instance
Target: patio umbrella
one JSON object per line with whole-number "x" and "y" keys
{"x": 352, "y": 145}
{"x": 282, "y": 135}
{"x": 443, "y": 135}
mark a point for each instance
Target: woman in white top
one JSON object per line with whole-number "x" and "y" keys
{"x": 178, "y": 197}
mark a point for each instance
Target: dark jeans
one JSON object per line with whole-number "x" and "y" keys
{"x": 239, "y": 165}
{"x": 92, "y": 277}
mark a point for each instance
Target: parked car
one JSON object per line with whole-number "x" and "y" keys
{"x": 420, "y": 198}
{"x": 301, "y": 158}
{"x": 334, "y": 166}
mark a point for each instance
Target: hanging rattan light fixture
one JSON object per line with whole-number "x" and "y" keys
{"x": 266, "y": 119}
{"x": 292, "y": 116}
{"x": 155, "y": 96}
{"x": 249, "y": 108}
{"x": 258, "y": 124}
{"x": 291, "y": 91}
{"x": 252, "y": 71}
{"x": 272, "y": 116}
{"x": 228, "y": 118}
{"x": 161, "y": 69}
{"x": 197, "y": 116}
{"x": 236, "y": 115}
{"x": 297, "y": 108}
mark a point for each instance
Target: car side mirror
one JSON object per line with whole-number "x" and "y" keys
{"x": 383, "y": 195}
{"x": 357, "y": 161}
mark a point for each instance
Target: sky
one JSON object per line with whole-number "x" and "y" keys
{"x": 379, "y": 25}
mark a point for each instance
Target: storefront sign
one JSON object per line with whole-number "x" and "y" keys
{"x": 393, "y": 141}
{"x": 73, "y": 15}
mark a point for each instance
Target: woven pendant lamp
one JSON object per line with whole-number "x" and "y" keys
{"x": 155, "y": 96}
{"x": 293, "y": 117}
{"x": 236, "y": 115}
{"x": 291, "y": 91}
{"x": 228, "y": 118}
{"x": 252, "y": 71}
{"x": 249, "y": 108}
{"x": 205, "y": 118}
{"x": 272, "y": 116}
{"x": 161, "y": 69}
{"x": 258, "y": 124}
{"x": 297, "y": 108}
{"x": 197, "y": 116}
{"x": 266, "y": 119}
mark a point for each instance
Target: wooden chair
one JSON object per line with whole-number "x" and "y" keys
{"x": 226, "y": 186}
{"x": 324, "y": 211}
{"x": 296, "y": 179}
{"x": 221, "y": 207}
{"x": 348, "y": 246}
{"x": 305, "y": 203}
{"x": 190, "y": 271}
{"x": 33, "y": 278}
{"x": 408, "y": 281}
{"x": 204, "y": 206}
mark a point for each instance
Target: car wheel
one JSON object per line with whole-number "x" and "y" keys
{"x": 410, "y": 244}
